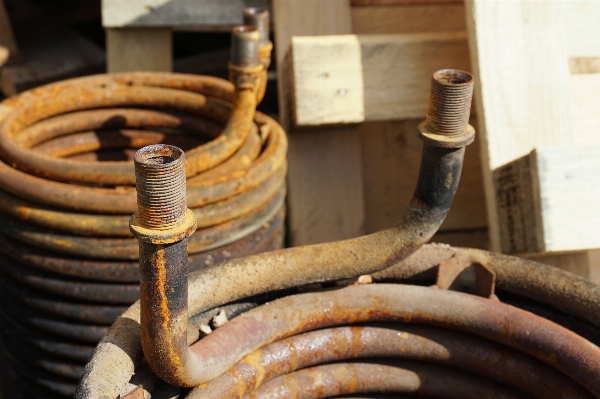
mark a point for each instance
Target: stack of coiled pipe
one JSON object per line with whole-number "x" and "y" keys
{"x": 382, "y": 315}
{"x": 69, "y": 263}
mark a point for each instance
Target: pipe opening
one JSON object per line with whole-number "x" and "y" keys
{"x": 452, "y": 77}
{"x": 449, "y": 102}
{"x": 158, "y": 154}
{"x": 160, "y": 186}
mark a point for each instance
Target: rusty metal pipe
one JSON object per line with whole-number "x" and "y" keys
{"x": 162, "y": 224}
{"x": 411, "y": 342}
{"x": 119, "y": 201}
{"x": 259, "y": 18}
{"x": 421, "y": 219}
{"x": 424, "y": 380}
{"x": 579, "y": 359}
{"x": 438, "y": 180}
{"x": 127, "y": 248}
{"x": 523, "y": 277}
{"x": 119, "y": 173}
{"x": 82, "y": 224}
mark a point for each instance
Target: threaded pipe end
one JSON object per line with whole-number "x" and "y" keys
{"x": 449, "y": 102}
{"x": 160, "y": 182}
{"x": 258, "y": 18}
{"x": 244, "y": 46}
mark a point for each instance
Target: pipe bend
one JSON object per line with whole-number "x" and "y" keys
{"x": 165, "y": 343}
{"x": 164, "y": 298}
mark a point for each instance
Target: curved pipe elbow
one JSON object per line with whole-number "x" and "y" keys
{"x": 164, "y": 307}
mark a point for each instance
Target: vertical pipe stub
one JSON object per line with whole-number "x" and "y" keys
{"x": 244, "y": 46}
{"x": 449, "y": 109}
{"x": 162, "y": 216}
{"x": 258, "y": 18}
{"x": 160, "y": 184}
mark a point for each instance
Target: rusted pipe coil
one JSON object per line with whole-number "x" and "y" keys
{"x": 67, "y": 238}
{"x": 49, "y": 317}
{"x": 409, "y": 342}
{"x": 509, "y": 337}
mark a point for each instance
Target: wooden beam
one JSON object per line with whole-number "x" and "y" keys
{"x": 362, "y": 3}
{"x": 325, "y": 188}
{"x": 533, "y": 84}
{"x": 219, "y": 15}
{"x": 548, "y": 200}
{"x": 139, "y": 49}
{"x": 522, "y": 54}
{"x": 358, "y": 78}
{"x": 411, "y": 18}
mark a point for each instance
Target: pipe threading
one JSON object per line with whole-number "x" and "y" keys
{"x": 244, "y": 46}
{"x": 161, "y": 186}
{"x": 449, "y": 102}
{"x": 259, "y": 18}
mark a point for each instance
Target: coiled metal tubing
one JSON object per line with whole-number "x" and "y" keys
{"x": 69, "y": 264}
{"x": 317, "y": 328}
{"x": 509, "y": 352}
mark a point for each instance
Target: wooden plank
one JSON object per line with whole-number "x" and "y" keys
{"x": 356, "y": 78}
{"x": 8, "y": 44}
{"x": 220, "y": 15}
{"x": 325, "y": 200}
{"x": 325, "y": 187}
{"x": 391, "y": 150}
{"x": 391, "y": 159}
{"x": 139, "y": 49}
{"x": 594, "y": 265}
{"x": 362, "y": 3}
{"x": 414, "y": 18}
{"x": 527, "y": 57}
{"x": 584, "y": 83}
{"x": 548, "y": 200}
{"x": 522, "y": 53}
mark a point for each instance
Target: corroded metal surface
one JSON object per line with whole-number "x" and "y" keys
{"x": 310, "y": 323}
{"x": 411, "y": 342}
{"x": 67, "y": 191}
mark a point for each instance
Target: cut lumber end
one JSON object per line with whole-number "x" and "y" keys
{"x": 547, "y": 200}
